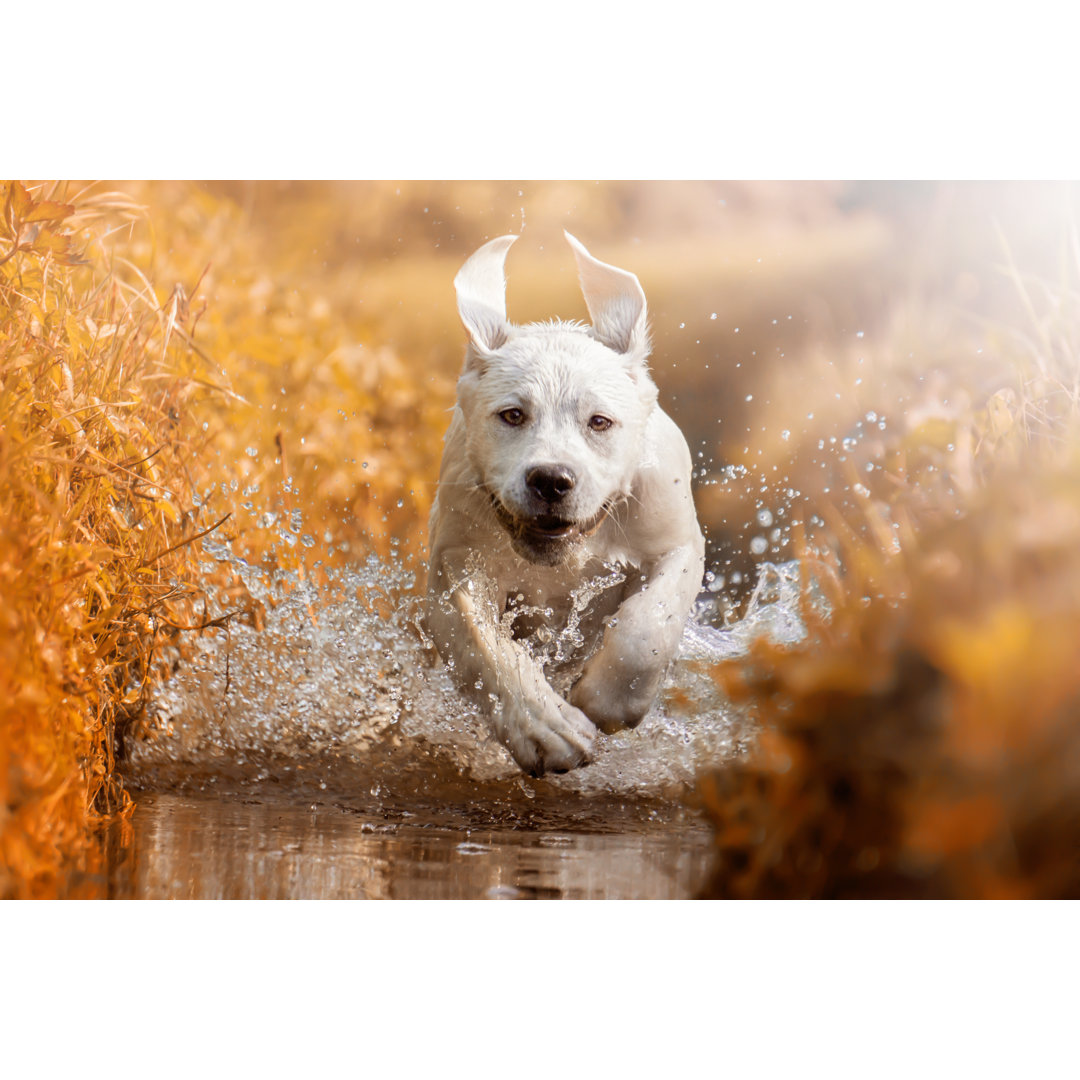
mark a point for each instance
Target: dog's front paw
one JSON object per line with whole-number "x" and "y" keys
{"x": 547, "y": 735}
{"x": 613, "y": 704}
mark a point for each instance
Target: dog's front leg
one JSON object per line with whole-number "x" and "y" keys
{"x": 620, "y": 682}
{"x": 541, "y": 730}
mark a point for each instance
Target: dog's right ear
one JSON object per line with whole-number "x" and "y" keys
{"x": 481, "y": 295}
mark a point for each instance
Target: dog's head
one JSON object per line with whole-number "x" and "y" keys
{"x": 555, "y": 413}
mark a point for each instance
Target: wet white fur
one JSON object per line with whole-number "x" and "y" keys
{"x": 560, "y": 375}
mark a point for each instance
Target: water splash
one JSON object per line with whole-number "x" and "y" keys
{"x": 340, "y": 696}
{"x": 772, "y": 611}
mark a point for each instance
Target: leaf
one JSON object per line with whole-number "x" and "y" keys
{"x": 169, "y": 510}
{"x": 19, "y": 201}
{"x": 49, "y": 211}
{"x": 47, "y": 240}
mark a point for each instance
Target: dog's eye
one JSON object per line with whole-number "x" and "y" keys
{"x": 513, "y": 417}
{"x": 600, "y": 423}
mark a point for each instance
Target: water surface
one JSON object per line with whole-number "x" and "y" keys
{"x": 328, "y": 755}
{"x": 206, "y": 847}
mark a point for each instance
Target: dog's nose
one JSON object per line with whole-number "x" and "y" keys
{"x": 550, "y": 482}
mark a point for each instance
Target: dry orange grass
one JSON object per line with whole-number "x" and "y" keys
{"x": 95, "y": 515}
{"x": 924, "y": 741}
{"x": 318, "y": 415}
{"x": 161, "y": 378}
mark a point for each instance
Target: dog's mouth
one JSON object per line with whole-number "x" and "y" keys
{"x": 545, "y": 531}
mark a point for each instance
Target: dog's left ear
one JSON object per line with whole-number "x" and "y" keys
{"x": 616, "y": 303}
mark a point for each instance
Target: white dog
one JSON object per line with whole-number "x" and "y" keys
{"x": 563, "y": 519}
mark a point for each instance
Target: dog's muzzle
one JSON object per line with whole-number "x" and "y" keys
{"x": 545, "y": 538}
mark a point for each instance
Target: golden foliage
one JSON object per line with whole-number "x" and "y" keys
{"x": 311, "y": 397}
{"x": 924, "y": 740}
{"x": 165, "y": 373}
{"x": 94, "y": 511}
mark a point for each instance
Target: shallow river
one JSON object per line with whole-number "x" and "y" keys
{"x": 329, "y": 757}
{"x": 199, "y": 848}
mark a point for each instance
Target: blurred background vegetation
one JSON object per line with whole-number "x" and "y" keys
{"x": 880, "y": 379}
